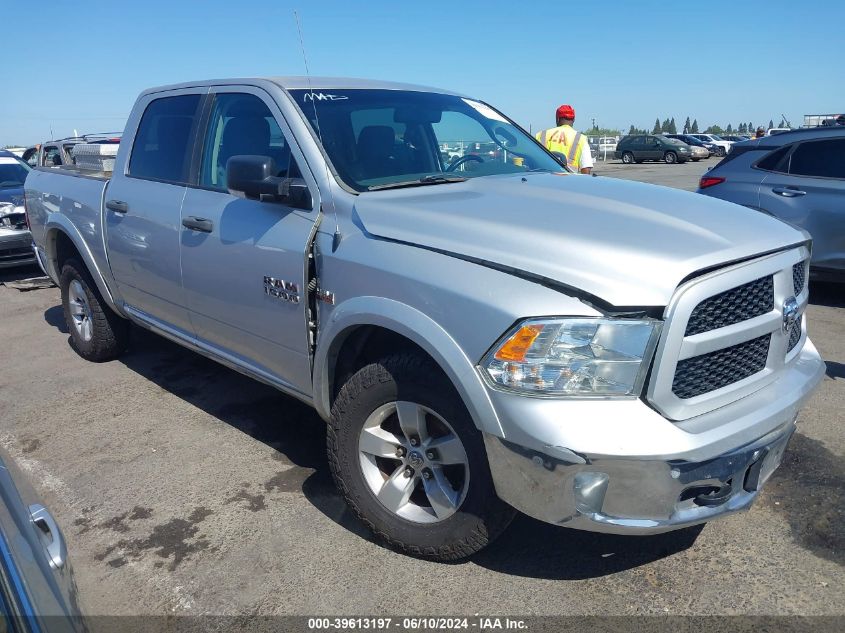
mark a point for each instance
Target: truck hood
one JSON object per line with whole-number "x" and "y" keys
{"x": 625, "y": 243}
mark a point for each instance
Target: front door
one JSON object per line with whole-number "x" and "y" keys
{"x": 142, "y": 210}
{"x": 244, "y": 261}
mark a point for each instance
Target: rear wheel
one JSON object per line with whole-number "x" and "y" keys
{"x": 628, "y": 158}
{"x": 96, "y": 332}
{"x": 720, "y": 152}
{"x": 410, "y": 462}
{"x": 670, "y": 158}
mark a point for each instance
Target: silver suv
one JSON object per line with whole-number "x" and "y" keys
{"x": 798, "y": 177}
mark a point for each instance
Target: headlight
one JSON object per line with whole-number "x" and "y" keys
{"x": 578, "y": 357}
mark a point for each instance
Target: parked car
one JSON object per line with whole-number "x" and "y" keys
{"x": 699, "y": 149}
{"x": 734, "y": 138}
{"x": 692, "y": 141}
{"x": 37, "y": 587}
{"x": 797, "y": 176}
{"x": 15, "y": 239}
{"x": 59, "y": 152}
{"x": 723, "y": 146}
{"x": 777, "y": 130}
{"x": 640, "y": 147}
{"x": 420, "y": 309}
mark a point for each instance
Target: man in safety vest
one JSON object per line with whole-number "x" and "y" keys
{"x": 565, "y": 140}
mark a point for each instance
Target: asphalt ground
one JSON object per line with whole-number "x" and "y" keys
{"x": 185, "y": 488}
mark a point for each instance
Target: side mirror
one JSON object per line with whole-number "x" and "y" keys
{"x": 254, "y": 177}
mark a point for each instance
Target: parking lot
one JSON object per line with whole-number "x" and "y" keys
{"x": 184, "y": 487}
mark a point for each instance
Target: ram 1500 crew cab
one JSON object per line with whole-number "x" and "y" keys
{"x": 485, "y": 335}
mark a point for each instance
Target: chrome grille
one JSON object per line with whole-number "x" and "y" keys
{"x": 708, "y": 372}
{"x": 799, "y": 277}
{"x": 737, "y": 304}
{"x": 723, "y": 336}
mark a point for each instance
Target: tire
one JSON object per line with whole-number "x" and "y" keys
{"x": 670, "y": 158}
{"x": 96, "y": 332}
{"x": 721, "y": 152}
{"x": 393, "y": 398}
{"x": 628, "y": 158}
{"x": 695, "y": 160}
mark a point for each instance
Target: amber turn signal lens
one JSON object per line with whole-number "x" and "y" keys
{"x": 518, "y": 344}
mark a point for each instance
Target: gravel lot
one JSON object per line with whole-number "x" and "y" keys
{"x": 184, "y": 487}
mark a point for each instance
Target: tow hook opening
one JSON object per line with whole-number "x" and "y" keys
{"x": 708, "y": 495}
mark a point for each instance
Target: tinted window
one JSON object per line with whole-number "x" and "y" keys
{"x": 12, "y": 172}
{"x": 824, "y": 159}
{"x": 776, "y": 161}
{"x": 161, "y": 148}
{"x": 242, "y": 124}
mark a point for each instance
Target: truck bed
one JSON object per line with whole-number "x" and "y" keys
{"x": 70, "y": 198}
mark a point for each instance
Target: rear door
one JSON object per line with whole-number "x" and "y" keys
{"x": 636, "y": 147}
{"x": 143, "y": 204}
{"x": 810, "y": 193}
{"x": 244, "y": 269}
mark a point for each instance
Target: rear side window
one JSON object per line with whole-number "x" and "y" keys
{"x": 161, "y": 150}
{"x": 776, "y": 160}
{"x": 823, "y": 159}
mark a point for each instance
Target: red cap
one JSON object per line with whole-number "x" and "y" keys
{"x": 566, "y": 112}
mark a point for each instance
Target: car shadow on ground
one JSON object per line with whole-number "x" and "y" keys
{"x": 297, "y": 437}
{"x": 20, "y": 272}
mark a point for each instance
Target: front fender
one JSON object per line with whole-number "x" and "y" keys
{"x": 59, "y": 223}
{"x": 415, "y": 326}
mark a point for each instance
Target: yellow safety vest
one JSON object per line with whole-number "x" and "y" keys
{"x": 566, "y": 140}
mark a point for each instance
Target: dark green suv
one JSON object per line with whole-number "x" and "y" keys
{"x": 636, "y": 149}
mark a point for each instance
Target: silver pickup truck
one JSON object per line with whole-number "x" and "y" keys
{"x": 482, "y": 333}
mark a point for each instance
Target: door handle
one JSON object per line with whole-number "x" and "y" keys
{"x": 198, "y": 224}
{"x": 54, "y": 544}
{"x": 788, "y": 192}
{"x": 118, "y": 206}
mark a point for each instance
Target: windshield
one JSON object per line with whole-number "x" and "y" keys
{"x": 12, "y": 172}
{"x": 675, "y": 141}
{"x": 377, "y": 139}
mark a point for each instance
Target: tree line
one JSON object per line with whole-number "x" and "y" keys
{"x": 668, "y": 126}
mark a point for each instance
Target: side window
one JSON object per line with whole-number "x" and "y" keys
{"x": 823, "y": 159}
{"x": 776, "y": 161}
{"x": 242, "y": 124}
{"x": 161, "y": 150}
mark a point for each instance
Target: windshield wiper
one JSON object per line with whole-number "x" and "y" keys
{"x": 433, "y": 179}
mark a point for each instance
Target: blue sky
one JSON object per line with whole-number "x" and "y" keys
{"x": 81, "y": 64}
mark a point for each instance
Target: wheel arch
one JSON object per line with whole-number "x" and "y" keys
{"x": 360, "y": 329}
{"x": 63, "y": 242}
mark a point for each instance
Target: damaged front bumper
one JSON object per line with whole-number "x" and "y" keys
{"x": 620, "y": 467}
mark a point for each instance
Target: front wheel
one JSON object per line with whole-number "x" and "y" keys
{"x": 628, "y": 158}
{"x": 721, "y": 152}
{"x": 410, "y": 463}
{"x": 670, "y": 158}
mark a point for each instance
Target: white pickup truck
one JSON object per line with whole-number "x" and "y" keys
{"x": 483, "y": 335}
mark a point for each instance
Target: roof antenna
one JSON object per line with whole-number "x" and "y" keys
{"x": 337, "y": 236}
